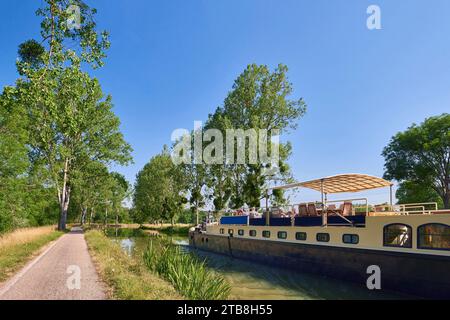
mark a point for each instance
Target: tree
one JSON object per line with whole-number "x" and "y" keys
{"x": 74, "y": 125}
{"x": 195, "y": 178}
{"x": 159, "y": 192}
{"x": 259, "y": 100}
{"x": 70, "y": 120}
{"x": 120, "y": 191}
{"x": 421, "y": 155}
{"x": 413, "y": 192}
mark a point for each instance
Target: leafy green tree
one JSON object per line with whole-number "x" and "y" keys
{"x": 159, "y": 192}
{"x": 120, "y": 191}
{"x": 14, "y": 164}
{"x": 413, "y": 192}
{"x": 421, "y": 155}
{"x": 195, "y": 178}
{"x": 73, "y": 123}
{"x": 259, "y": 100}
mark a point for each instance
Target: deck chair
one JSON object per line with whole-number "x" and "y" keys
{"x": 303, "y": 210}
{"x": 331, "y": 210}
{"x": 312, "y": 211}
{"x": 347, "y": 209}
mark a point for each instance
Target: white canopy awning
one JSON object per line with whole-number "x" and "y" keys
{"x": 340, "y": 184}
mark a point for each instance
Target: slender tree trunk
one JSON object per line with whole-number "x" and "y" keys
{"x": 83, "y": 215}
{"x": 91, "y": 216}
{"x": 64, "y": 199}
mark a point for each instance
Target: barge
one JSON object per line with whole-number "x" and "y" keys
{"x": 408, "y": 244}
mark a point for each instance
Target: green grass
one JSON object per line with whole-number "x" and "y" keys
{"x": 126, "y": 277}
{"x": 14, "y": 256}
{"x": 169, "y": 230}
{"x": 190, "y": 276}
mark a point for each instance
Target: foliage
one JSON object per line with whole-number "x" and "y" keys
{"x": 259, "y": 100}
{"x": 159, "y": 190}
{"x": 421, "y": 155}
{"x": 57, "y": 126}
{"x": 413, "y": 192}
{"x": 190, "y": 276}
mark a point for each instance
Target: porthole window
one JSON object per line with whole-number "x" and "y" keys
{"x": 434, "y": 236}
{"x": 323, "y": 237}
{"x": 301, "y": 236}
{"x": 282, "y": 235}
{"x": 350, "y": 238}
{"x": 230, "y": 232}
{"x": 397, "y": 235}
{"x": 252, "y": 233}
{"x": 241, "y": 232}
{"x": 266, "y": 234}
{"x": 222, "y": 231}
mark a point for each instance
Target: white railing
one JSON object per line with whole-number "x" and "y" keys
{"x": 411, "y": 208}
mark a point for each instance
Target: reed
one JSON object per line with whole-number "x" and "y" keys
{"x": 190, "y": 276}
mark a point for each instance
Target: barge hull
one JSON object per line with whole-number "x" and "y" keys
{"x": 417, "y": 274}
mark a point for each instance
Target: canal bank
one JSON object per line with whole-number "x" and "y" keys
{"x": 252, "y": 281}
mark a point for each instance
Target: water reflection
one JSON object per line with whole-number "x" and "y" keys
{"x": 255, "y": 281}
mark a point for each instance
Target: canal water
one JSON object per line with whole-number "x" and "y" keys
{"x": 252, "y": 281}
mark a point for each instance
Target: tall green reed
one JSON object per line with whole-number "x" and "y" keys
{"x": 189, "y": 275}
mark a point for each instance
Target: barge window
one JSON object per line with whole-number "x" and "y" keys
{"x": 397, "y": 235}
{"x": 230, "y": 232}
{"x": 266, "y": 234}
{"x": 301, "y": 236}
{"x": 241, "y": 232}
{"x": 222, "y": 231}
{"x": 282, "y": 235}
{"x": 323, "y": 237}
{"x": 350, "y": 238}
{"x": 434, "y": 236}
{"x": 252, "y": 233}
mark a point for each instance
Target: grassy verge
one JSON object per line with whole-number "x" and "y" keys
{"x": 190, "y": 276}
{"x": 127, "y": 278}
{"x": 182, "y": 230}
{"x": 18, "y": 247}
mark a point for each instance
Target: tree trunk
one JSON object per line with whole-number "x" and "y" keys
{"x": 83, "y": 215}
{"x": 91, "y": 216}
{"x": 446, "y": 198}
{"x": 64, "y": 199}
{"x": 63, "y": 213}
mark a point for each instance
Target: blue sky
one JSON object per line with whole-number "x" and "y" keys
{"x": 173, "y": 62}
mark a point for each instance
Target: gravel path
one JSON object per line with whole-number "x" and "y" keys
{"x": 64, "y": 271}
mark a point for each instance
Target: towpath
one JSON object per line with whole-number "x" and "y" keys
{"x": 64, "y": 271}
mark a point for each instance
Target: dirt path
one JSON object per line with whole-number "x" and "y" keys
{"x": 64, "y": 271}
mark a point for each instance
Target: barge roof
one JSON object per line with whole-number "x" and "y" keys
{"x": 343, "y": 183}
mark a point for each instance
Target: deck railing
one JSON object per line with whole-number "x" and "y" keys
{"x": 411, "y": 208}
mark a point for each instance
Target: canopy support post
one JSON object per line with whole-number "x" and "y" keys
{"x": 391, "y": 198}
{"x": 267, "y": 209}
{"x": 324, "y": 211}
